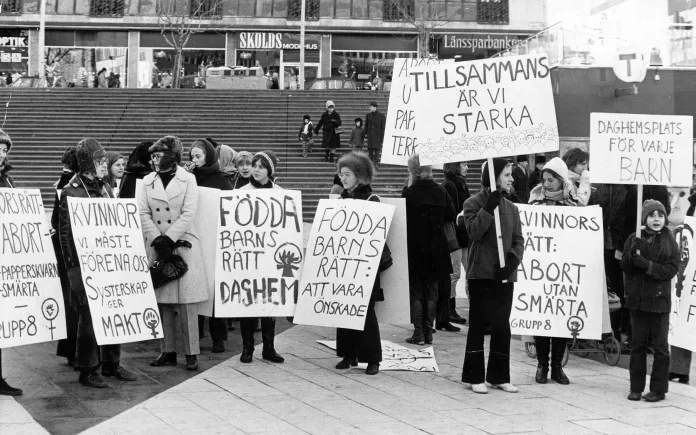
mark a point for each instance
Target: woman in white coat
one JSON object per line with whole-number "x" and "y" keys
{"x": 168, "y": 204}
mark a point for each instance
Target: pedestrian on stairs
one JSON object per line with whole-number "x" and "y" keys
{"x": 264, "y": 166}
{"x": 6, "y": 181}
{"x": 88, "y": 183}
{"x": 375, "y": 124}
{"x": 306, "y": 135}
{"x": 330, "y": 122}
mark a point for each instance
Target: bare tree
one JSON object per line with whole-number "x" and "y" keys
{"x": 424, "y": 15}
{"x": 179, "y": 19}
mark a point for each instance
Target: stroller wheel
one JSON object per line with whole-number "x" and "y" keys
{"x": 530, "y": 348}
{"x": 612, "y": 351}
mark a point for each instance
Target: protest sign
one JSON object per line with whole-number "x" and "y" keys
{"x": 641, "y": 149}
{"x": 31, "y": 299}
{"x": 342, "y": 260}
{"x": 560, "y": 280}
{"x": 115, "y": 271}
{"x": 205, "y": 224}
{"x": 259, "y": 256}
{"x": 395, "y": 308}
{"x": 682, "y": 321}
{"x": 475, "y": 110}
{"x": 399, "y": 139}
{"x": 399, "y": 358}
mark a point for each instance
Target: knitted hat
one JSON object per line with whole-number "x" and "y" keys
{"x": 5, "y": 138}
{"x": 69, "y": 159}
{"x": 268, "y": 160}
{"x": 540, "y": 159}
{"x": 649, "y": 206}
{"x": 169, "y": 144}
{"x": 498, "y": 166}
{"x": 243, "y": 156}
{"x": 329, "y": 104}
{"x": 360, "y": 164}
{"x": 522, "y": 158}
{"x": 88, "y": 151}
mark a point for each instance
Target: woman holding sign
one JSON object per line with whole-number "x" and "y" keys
{"x": 263, "y": 171}
{"x": 491, "y": 286}
{"x": 557, "y": 189}
{"x": 168, "y": 204}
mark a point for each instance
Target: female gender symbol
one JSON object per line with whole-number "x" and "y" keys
{"x": 50, "y": 310}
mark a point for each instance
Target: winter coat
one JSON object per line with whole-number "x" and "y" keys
{"x": 651, "y": 290}
{"x": 212, "y": 177}
{"x": 534, "y": 178}
{"x": 65, "y": 177}
{"x": 5, "y": 179}
{"x": 78, "y": 187}
{"x": 130, "y": 179}
{"x": 310, "y": 130}
{"x": 357, "y": 137}
{"x": 171, "y": 212}
{"x": 329, "y": 122}
{"x": 375, "y": 124}
{"x": 270, "y": 185}
{"x": 521, "y": 184}
{"x": 458, "y": 192}
{"x": 428, "y": 207}
{"x": 483, "y": 262}
{"x": 658, "y": 193}
{"x": 364, "y": 193}
{"x": 612, "y": 198}
{"x": 240, "y": 181}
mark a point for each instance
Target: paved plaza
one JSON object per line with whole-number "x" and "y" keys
{"x": 307, "y": 395}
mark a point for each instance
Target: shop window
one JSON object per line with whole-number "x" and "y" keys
{"x": 11, "y": 7}
{"x": 493, "y": 12}
{"x": 155, "y": 71}
{"x": 264, "y": 8}
{"x": 88, "y": 67}
{"x": 106, "y": 8}
{"x": 206, "y": 8}
{"x": 399, "y": 10}
{"x": 343, "y": 8}
{"x": 311, "y": 9}
{"x": 366, "y": 66}
{"x": 452, "y": 10}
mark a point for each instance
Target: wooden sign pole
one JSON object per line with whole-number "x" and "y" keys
{"x": 639, "y": 211}
{"x": 496, "y": 213}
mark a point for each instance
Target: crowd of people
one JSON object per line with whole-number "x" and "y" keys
{"x": 450, "y": 233}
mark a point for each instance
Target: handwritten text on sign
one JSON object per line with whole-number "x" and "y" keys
{"x": 115, "y": 271}
{"x": 259, "y": 253}
{"x": 559, "y": 283}
{"x": 682, "y": 321}
{"x": 343, "y": 254}
{"x": 31, "y": 300}
{"x": 641, "y": 149}
{"x": 485, "y": 108}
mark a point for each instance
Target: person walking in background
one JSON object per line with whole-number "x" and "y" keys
{"x": 521, "y": 175}
{"x": 168, "y": 205}
{"x": 458, "y": 191}
{"x": 428, "y": 207}
{"x": 115, "y": 171}
{"x": 556, "y": 189}
{"x": 102, "y": 80}
{"x": 375, "y": 124}
{"x": 491, "y": 286}
{"x": 88, "y": 183}
{"x": 137, "y": 168}
{"x": 306, "y": 135}
{"x": 357, "y": 136}
{"x": 356, "y": 172}
{"x": 535, "y": 175}
{"x": 331, "y": 134}
{"x": 650, "y": 262}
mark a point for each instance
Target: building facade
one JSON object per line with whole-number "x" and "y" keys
{"x": 354, "y": 38}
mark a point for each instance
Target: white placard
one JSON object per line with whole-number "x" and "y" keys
{"x": 259, "y": 253}
{"x": 31, "y": 299}
{"x": 475, "y": 110}
{"x": 399, "y": 358}
{"x": 115, "y": 271}
{"x": 559, "y": 289}
{"x": 682, "y": 321}
{"x": 641, "y": 149}
{"x": 343, "y": 253}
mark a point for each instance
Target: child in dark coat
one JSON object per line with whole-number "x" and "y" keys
{"x": 357, "y": 136}
{"x": 306, "y": 135}
{"x": 650, "y": 262}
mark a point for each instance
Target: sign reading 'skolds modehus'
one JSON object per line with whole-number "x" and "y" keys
{"x": 275, "y": 41}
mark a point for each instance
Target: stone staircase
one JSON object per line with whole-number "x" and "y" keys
{"x": 44, "y": 122}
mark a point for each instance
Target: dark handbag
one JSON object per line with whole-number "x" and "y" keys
{"x": 451, "y": 236}
{"x": 166, "y": 271}
{"x": 338, "y": 130}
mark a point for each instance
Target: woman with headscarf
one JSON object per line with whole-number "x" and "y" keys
{"x": 6, "y": 181}
{"x": 206, "y": 169}
{"x": 491, "y": 287}
{"x": 168, "y": 203}
{"x": 428, "y": 207}
{"x": 356, "y": 172}
{"x": 264, "y": 165}
{"x": 329, "y": 122}
{"x": 557, "y": 189}
{"x": 137, "y": 168}
{"x": 242, "y": 162}
{"x": 116, "y": 169}
{"x": 226, "y": 156}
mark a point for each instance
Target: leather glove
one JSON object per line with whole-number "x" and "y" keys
{"x": 493, "y": 201}
{"x": 511, "y": 264}
{"x": 164, "y": 247}
{"x": 640, "y": 262}
{"x": 75, "y": 278}
{"x": 637, "y": 244}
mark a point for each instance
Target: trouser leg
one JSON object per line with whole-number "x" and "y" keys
{"x": 429, "y": 312}
{"x": 637, "y": 365}
{"x": 498, "y": 371}
{"x": 543, "y": 347}
{"x": 442, "y": 311}
{"x": 369, "y": 342}
{"x": 474, "y": 371}
{"x": 168, "y": 316}
{"x": 218, "y": 328}
{"x": 188, "y": 315}
{"x": 456, "y": 259}
{"x": 660, "y": 371}
{"x": 87, "y": 351}
{"x": 417, "y": 318}
{"x": 247, "y": 325}
{"x": 268, "y": 333}
{"x": 558, "y": 348}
